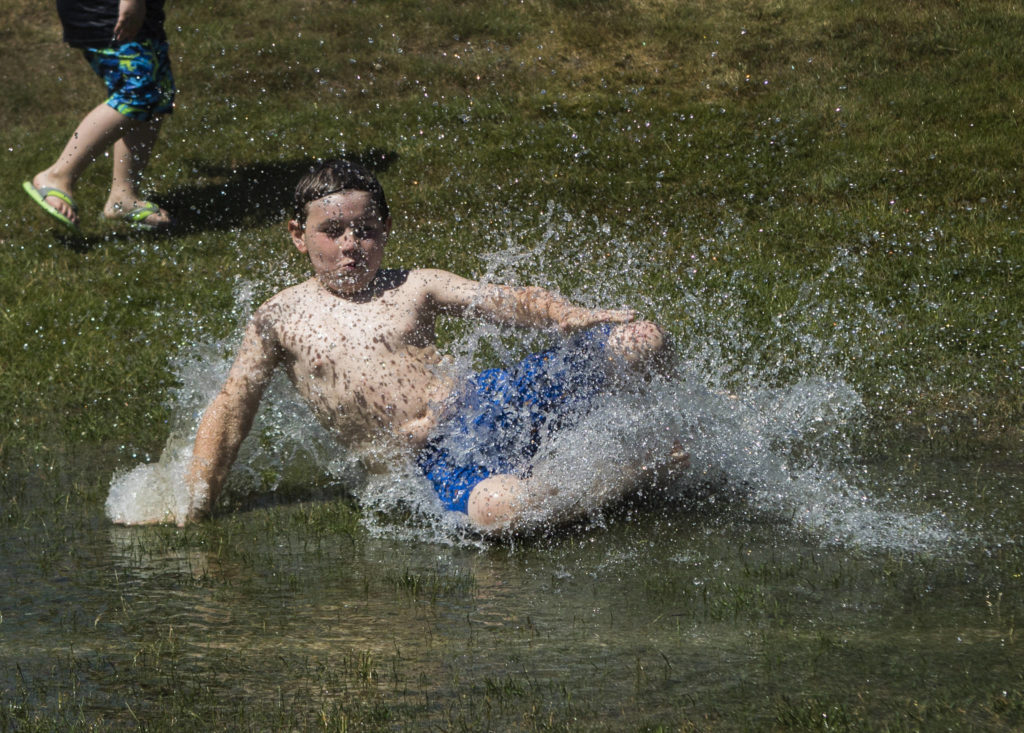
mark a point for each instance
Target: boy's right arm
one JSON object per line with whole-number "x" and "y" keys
{"x": 131, "y": 14}
{"x": 229, "y": 417}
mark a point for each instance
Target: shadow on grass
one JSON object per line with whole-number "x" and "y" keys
{"x": 251, "y": 194}
{"x": 119, "y": 232}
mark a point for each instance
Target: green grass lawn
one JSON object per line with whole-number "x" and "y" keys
{"x": 846, "y": 170}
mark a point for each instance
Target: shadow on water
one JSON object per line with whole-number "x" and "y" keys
{"x": 253, "y": 194}
{"x": 315, "y": 488}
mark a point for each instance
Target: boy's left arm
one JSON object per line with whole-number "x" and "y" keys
{"x": 531, "y": 307}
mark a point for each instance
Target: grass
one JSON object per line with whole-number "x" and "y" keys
{"x": 757, "y": 142}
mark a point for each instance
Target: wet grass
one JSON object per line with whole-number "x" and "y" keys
{"x": 823, "y": 188}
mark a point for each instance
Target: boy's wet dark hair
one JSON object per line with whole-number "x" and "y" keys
{"x": 332, "y": 176}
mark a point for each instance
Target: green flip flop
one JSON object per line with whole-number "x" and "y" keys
{"x": 138, "y": 215}
{"x": 39, "y": 196}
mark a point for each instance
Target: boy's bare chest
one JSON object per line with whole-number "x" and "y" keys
{"x": 356, "y": 341}
{"x": 353, "y": 334}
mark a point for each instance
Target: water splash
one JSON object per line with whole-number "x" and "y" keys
{"x": 153, "y": 493}
{"x": 767, "y": 433}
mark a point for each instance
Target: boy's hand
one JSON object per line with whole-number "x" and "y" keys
{"x": 130, "y": 16}
{"x": 199, "y": 498}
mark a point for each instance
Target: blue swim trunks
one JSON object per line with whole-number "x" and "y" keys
{"x": 138, "y": 77}
{"x": 501, "y": 415}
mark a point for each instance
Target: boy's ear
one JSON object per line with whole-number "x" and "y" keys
{"x": 297, "y": 232}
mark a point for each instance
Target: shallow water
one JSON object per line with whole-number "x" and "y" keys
{"x": 783, "y": 583}
{"x": 668, "y": 614}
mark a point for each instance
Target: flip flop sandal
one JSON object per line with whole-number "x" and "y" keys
{"x": 138, "y": 215}
{"x": 39, "y": 196}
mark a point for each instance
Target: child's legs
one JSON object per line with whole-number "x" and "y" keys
{"x": 141, "y": 86}
{"x": 142, "y": 89}
{"x": 131, "y": 155}
{"x": 500, "y": 502}
{"x": 504, "y": 502}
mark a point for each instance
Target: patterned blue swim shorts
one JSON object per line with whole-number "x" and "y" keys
{"x": 501, "y": 415}
{"x": 138, "y": 77}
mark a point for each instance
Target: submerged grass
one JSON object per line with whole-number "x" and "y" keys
{"x": 795, "y": 640}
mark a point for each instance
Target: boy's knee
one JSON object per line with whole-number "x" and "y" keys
{"x": 638, "y": 343}
{"x": 494, "y": 503}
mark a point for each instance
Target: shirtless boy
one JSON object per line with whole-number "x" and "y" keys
{"x": 358, "y": 343}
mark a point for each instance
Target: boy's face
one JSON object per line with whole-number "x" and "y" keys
{"x": 344, "y": 238}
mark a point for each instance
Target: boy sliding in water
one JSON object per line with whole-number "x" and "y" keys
{"x": 357, "y": 342}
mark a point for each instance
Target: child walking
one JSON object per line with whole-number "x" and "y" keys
{"x": 125, "y": 44}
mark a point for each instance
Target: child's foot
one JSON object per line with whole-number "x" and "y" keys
{"x": 55, "y": 198}
{"x": 138, "y": 213}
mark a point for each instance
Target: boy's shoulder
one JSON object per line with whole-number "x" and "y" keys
{"x": 282, "y": 306}
{"x": 432, "y": 276}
